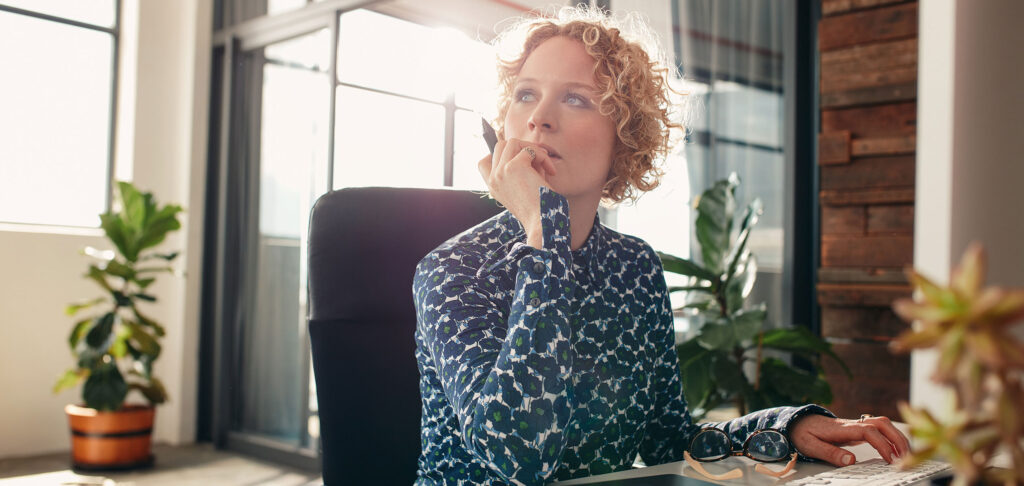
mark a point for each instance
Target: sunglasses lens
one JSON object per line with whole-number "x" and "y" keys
{"x": 768, "y": 446}
{"x": 710, "y": 445}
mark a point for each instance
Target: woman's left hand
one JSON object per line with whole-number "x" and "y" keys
{"x": 819, "y": 436}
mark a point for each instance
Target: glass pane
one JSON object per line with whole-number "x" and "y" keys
{"x": 97, "y": 12}
{"x": 470, "y": 147}
{"x": 293, "y": 167}
{"x": 384, "y": 140}
{"x": 476, "y": 77}
{"x": 278, "y": 6}
{"x": 55, "y": 122}
{"x": 389, "y": 54}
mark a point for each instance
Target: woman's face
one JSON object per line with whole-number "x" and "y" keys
{"x": 554, "y": 104}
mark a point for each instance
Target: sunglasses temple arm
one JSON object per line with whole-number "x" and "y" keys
{"x": 734, "y": 474}
{"x": 761, "y": 468}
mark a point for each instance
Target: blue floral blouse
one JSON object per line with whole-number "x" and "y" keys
{"x": 550, "y": 364}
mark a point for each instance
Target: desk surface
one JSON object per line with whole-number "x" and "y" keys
{"x": 863, "y": 452}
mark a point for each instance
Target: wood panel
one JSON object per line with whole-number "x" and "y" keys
{"x": 876, "y": 275}
{"x": 867, "y": 251}
{"x": 869, "y": 172}
{"x": 879, "y": 57}
{"x": 843, "y": 220}
{"x": 870, "y": 95}
{"x": 864, "y": 323}
{"x": 868, "y": 147}
{"x": 867, "y": 196}
{"x": 861, "y": 294}
{"x": 898, "y": 119}
{"x": 893, "y": 76}
{"x": 834, "y": 147}
{"x": 887, "y": 23}
{"x": 890, "y": 218}
{"x": 833, "y": 7}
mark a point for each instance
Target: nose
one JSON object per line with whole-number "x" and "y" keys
{"x": 543, "y": 118}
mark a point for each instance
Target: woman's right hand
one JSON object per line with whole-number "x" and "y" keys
{"x": 514, "y": 178}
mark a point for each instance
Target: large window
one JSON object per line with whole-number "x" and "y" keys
{"x": 57, "y": 97}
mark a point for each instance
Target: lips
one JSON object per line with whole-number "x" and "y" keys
{"x": 551, "y": 152}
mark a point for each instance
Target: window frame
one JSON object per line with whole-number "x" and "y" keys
{"x": 115, "y": 33}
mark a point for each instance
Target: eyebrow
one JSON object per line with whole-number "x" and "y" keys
{"x": 588, "y": 87}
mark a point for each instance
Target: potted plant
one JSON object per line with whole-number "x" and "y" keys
{"x": 981, "y": 359}
{"x": 116, "y": 345}
{"x": 725, "y": 362}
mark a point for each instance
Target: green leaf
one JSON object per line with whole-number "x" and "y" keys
{"x": 99, "y": 336}
{"x": 70, "y": 379}
{"x": 717, "y": 335}
{"x": 796, "y": 386}
{"x": 105, "y": 389}
{"x": 714, "y": 221}
{"x": 154, "y": 392}
{"x": 146, "y": 321}
{"x": 133, "y": 207}
{"x": 155, "y": 269}
{"x": 728, "y": 375}
{"x": 78, "y": 331}
{"x": 145, "y": 297}
{"x": 117, "y": 233}
{"x": 736, "y": 254}
{"x": 686, "y": 267}
{"x": 162, "y": 256}
{"x": 144, "y": 282}
{"x": 117, "y": 269}
{"x": 99, "y": 276}
{"x": 74, "y": 308}
{"x": 142, "y": 340}
{"x": 122, "y": 300}
{"x": 690, "y": 288}
{"x": 694, "y": 371}
{"x": 164, "y": 221}
{"x": 800, "y": 340}
{"x": 747, "y": 324}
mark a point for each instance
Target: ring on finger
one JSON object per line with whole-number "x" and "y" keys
{"x": 864, "y": 416}
{"x": 529, "y": 150}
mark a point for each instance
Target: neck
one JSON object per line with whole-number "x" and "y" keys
{"x": 581, "y": 219}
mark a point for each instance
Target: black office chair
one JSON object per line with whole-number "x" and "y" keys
{"x": 364, "y": 244}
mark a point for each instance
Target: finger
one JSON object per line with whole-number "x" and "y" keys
{"x": 879, "y": 442}
{"x": 836, "y": 456}
{"x": 895, "y": 437}
{"x": 484, "y": 166}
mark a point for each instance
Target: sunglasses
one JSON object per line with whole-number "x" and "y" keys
{"x": 765, "y": 445}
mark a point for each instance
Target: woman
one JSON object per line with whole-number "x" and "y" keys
{"x": 544, "y": 339}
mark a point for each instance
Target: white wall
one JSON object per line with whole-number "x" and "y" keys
{"x": 970, "y": 146}
{"x": 162, "y": 137}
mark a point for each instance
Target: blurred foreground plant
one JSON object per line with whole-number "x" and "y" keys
{"x": 980, "y": 359}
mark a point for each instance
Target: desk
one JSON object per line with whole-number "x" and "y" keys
{"x": 750, "y": 477}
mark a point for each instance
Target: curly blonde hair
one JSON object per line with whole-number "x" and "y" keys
{"x": 632, "y": 82}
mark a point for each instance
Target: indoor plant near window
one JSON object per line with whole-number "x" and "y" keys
{"x": 725, "y": 362}
{"x": 981, "y": 359}
{"x": 116, "y": 345}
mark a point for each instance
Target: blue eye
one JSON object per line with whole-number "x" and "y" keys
{"x": 576, "y": 100}
{"x": 524, "y": 96}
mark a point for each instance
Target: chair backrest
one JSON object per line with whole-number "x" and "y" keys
{"x": 364, "y": 244}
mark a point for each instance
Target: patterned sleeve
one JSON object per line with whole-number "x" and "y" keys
{"x": 507, "y": 377}
{"x": 670, "y": 428}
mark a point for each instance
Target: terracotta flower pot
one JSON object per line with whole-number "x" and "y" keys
{"x": 111, "y": 440}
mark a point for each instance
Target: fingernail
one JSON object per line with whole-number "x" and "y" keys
{"x": 847, "y": 460}
{"x": 892, "y": 458}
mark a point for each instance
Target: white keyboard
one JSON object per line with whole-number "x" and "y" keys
{"x": 874, "y": 472}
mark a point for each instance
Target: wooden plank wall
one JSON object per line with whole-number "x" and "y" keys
{"x": 868, "y": 86}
